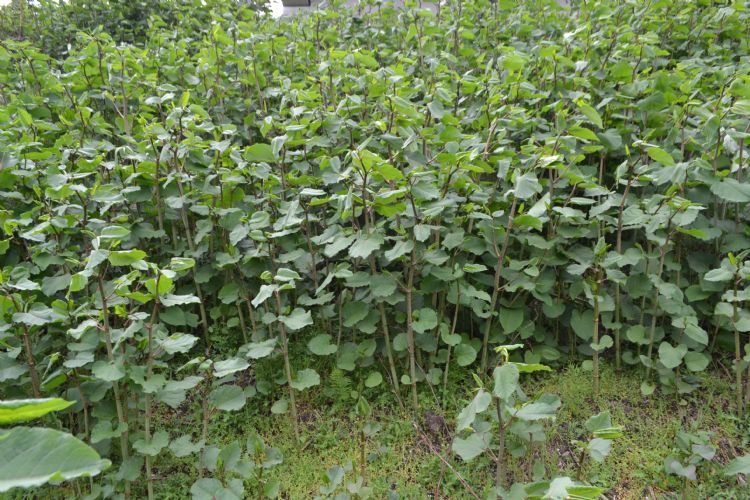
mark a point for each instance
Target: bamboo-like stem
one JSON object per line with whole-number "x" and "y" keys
{"x": 618, "y": 298}
{"x": 241, "y": 317}
{"x": 410, "y": 328}
{"x": 737, "y": 354}
{"x": 35, "y": 384}
{"x": 655, "y": 308}
{"x": 448, "y": 357}
{"x": 362, "y": 451}
{"x": 499, "y": 472}
{"x": 206, "y": 414}
{"x": 496, "y": 285}
{"x": 595, "y": 290}
{"x": 191, "y": 246}
{"x": 287, "y": 366}
{"x": 124, "y": 451}
{"x": 149, "y": 373}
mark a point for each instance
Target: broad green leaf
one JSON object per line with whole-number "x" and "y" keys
{"x": 465, "y": 354}
{"x": 696, "y": 361}
{"x": 114, "y": 232}
{"x": 183, "y": 446}
{"x": 399, "y": 249}
{"x": 730, "y": 189}
{"x": 280, "y": 407}
{"x": 450, "y": 339}
{"x": 531, "y": 367}
{"x": 601, "y": 420}
{"x": 178, "y": 342}
{"x": 170, "y": 300}
{"x": 21, "y": 410}
{"x": 599, "y": 448}
{"x": 374, "y": 379}
{"x": 427, "y": 320}
{"x": 165, "y": 284}
{"x": 526, "y": 220}
{"x": 661, "y": 156}
{"x": 742, "y": 107}
{"x": 674, "y": 466}
{"x": 152, "y": 447}
{"x": 647, "y": 388}
{"x": 506, "y": 381}
{"x": 720, "y": 274}
{"x": 740, "y": 465}
{"x": 178, "y": 264}
{"x": 338, "y": 244}
{"x": 53, "y": 284}
{"x": 354, "y": 312}
{"x": 581, "y": 492}
{"x": 592, "y": 115}
{"x": 104, "y": 430}
{"x": 109, "y": 372}
{"x": 467, "y": 415}
{"x": 285, "y": 275}
{"x": 526, "y": 186}
{"x": 305, "y": 379}
{"x": 365, "y": 244}
{"x": 543, "y": 408}
{"x": 259, "y": 153}
{"x": 229, "y": 293}
{"x": 213, "y": 489}
{"x": 298, "y": 319}
{"x": 474, "y": 268}
{"x": 583, "y": 324}
{"x": 695, "y": 332}
{"x": 33, "y": 456}
{"x": 400, "y": 342}
{"x": 321, "y": 345}
{"x": 511, "y": 319}
{"x": 671, "y": 357}
{"x": 383, "y": 285}
{"x": 611, "y": 139}
{"x": 38, "y": 316}
{"x": 126, "y": 257}
{"x": 422, "y": 232}
{"x": 229, "y": 366}
{"x": 637, "y": 334}
{"x": 604, "y": 343}
{"x": 78, "y": 282}
{"x": 583, "y": 133}
{"x": 257, "y": 350}
{"x": 227, "y": 398}
{"x": 472, "y": 446}
{"x": 389, "y": 172}
{"x": 265, "y": 292}
{"x": 26, "y": 284}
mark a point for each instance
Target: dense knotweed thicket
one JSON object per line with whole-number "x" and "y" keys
{"x": 52, "y": 25}
{"x": 401, "y": 191}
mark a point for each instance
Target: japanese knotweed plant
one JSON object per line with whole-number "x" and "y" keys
{"x": 735, "y": 272}
{"x": 295, "y": 319}
{"x": 233, "y": 464}
{"x": 503, "y": 409}
{"x": 691, "y": 450}
{"x": 508, "y": 412}
{"x": 598, "y": 447}
{"x": 398, "y": 191}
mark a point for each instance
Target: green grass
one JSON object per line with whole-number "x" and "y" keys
{"x": 399, "y": 460}
{"x": 635, "y": 467}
